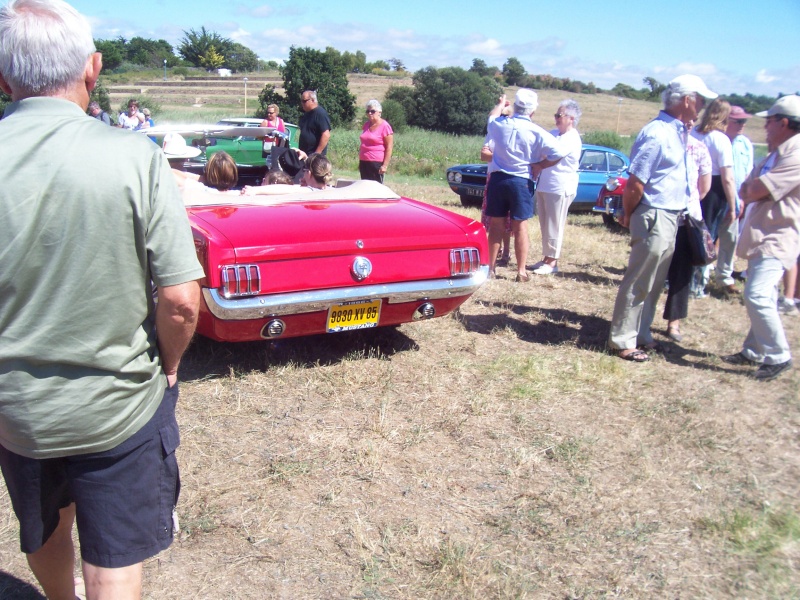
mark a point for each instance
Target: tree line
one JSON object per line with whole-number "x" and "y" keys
{"x": 450, "y": 99}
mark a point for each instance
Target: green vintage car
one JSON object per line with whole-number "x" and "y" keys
{"x": 245, "y": 150}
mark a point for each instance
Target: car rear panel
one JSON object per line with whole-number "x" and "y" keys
{"x": 309, "y": 246}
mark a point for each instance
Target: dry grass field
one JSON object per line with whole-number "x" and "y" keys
{"x": 500, "y": 452}
{"x": 497, "y": 453}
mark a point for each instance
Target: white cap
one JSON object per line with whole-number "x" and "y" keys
{"x": 175, "y": 147}
{"x": 787, "y": 106}
{"x": 690, "y": 84}
{"x": 527, "y": 100}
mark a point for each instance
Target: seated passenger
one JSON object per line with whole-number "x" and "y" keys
{"x": 221, "y": 172}
{"x": 318, "y": 172}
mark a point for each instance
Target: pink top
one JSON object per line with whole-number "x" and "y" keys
{"x": 373, "y": 148}
{"x": 699, "y": 164}
{"x": 277, "y": 123}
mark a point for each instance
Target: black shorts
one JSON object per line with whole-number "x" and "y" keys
{"x": 124, "y": 497}
{"x": 370, "y": 169}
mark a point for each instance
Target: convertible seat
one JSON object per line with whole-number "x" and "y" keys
{"x": 279, "y": 194}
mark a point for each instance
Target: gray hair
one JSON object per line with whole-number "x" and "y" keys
{"x": 572, "y": 109}
{"x": 44, "y": 45}
{"x": 311, "y": 94}
{"x": 374, "y": 105}
{"x": 672, "y": 98}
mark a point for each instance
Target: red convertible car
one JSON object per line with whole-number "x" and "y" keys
{"x": 328, "y": 261}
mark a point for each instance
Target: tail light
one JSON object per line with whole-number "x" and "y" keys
{"x": 240, "y": 280}
{"x": 464, "y": 261}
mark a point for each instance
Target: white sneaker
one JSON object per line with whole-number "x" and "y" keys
{"x": 787, "y": 306}
{"x": 545, "y": 269}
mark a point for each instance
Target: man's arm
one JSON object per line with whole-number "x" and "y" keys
{"x": 538, "y": 167}
{"x": 729, "y": 187}
{"x": 631, "y": 198}
{"x": 498, "y": 108}
{"x": 753, "y": 190}
{"x": 323, "y": 140}
{"x": 176, "y": 319}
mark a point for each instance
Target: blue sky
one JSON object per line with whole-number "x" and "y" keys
{"x": 736, "y": 47}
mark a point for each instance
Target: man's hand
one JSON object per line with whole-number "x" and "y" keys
{"x": 631, "y": 198}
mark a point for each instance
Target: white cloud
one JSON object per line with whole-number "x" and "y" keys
{"x": 762, "y": 77}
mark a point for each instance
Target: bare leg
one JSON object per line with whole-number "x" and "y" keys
{"x": 496, "y": 227}
{"x": 507, "y": 245}
{"x": 52, "y": 564}
{"x": 521, "y": 242}
{"x": 124, "y": 583}
{"x": 790, "y": 283}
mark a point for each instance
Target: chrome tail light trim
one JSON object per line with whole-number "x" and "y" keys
{"x": 464, "y": 261}
{"x": 240, "y": 280}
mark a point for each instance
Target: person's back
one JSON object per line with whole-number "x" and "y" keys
{"x": 75, "y": 237}
{"x": 93, "y": 223}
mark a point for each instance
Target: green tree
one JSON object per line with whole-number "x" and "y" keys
{"x": 656, "y": 87}
{"x": 378, "y": 65}
{"x": 240, "y": 59}
{"x": 397, "y": 64}
{"x": 212, "y": 59}
{"x": 150, "y": 53}
{"x": 394, "y": 112}
{"x": 100, "y": 95}
{"x": 310, "y": 69}
{"x": 355, "y": 63}
{"x": 113, "y": 52}
{"x": 452, "y": 100}
{"x": 480, "y": 67}
{"x": 194, "y": 46}
{"x": 513, "y": 71}
{"x": 404, "y": 96}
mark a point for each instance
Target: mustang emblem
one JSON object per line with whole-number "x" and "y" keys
{"x": 361, "y": 268}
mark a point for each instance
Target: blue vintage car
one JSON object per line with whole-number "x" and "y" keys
{"x": 597, "y": 164}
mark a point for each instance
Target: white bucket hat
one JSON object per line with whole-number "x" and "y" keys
{"x": 175, "y": 147}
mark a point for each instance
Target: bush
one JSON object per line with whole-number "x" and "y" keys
{"x": 394, "y": 112}
{"x": 451, "y": 100}
{"x": 606, "y": 138}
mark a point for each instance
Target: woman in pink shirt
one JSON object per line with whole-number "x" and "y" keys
{"x": 377, "y": 139}
{"x": 272, "y": 120}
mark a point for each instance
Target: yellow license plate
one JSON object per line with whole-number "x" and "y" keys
{"x": 353, "y": 315}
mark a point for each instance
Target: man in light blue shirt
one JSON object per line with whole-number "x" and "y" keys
{"x": 742, "y": 165}
{"x": 518, "y": 145}
{"x": 657, "y": 191}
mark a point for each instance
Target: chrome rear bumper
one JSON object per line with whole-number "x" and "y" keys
{"x": 276, "y": 305}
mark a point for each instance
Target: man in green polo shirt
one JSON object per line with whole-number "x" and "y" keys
{"x": 92, "y": 218}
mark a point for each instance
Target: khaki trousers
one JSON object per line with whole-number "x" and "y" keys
{"x": 653, "y": 233}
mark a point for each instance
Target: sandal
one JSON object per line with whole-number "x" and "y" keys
{"x": 635, "y": 355}
{"x": 674, "y": 333}
{"x": 522, "y": 278}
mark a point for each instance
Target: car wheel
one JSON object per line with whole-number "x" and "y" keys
{"x": 471, "y": 201}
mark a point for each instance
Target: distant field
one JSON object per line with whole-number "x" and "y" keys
{"x": 600, "y": 111}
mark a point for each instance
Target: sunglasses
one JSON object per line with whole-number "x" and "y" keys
{"x": 371, "y": 111}
{"x": 559, "y": 115}
{"x": 739, "y": 121}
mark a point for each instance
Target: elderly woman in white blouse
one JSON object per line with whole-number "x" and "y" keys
{"x": 557, "y": 187}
